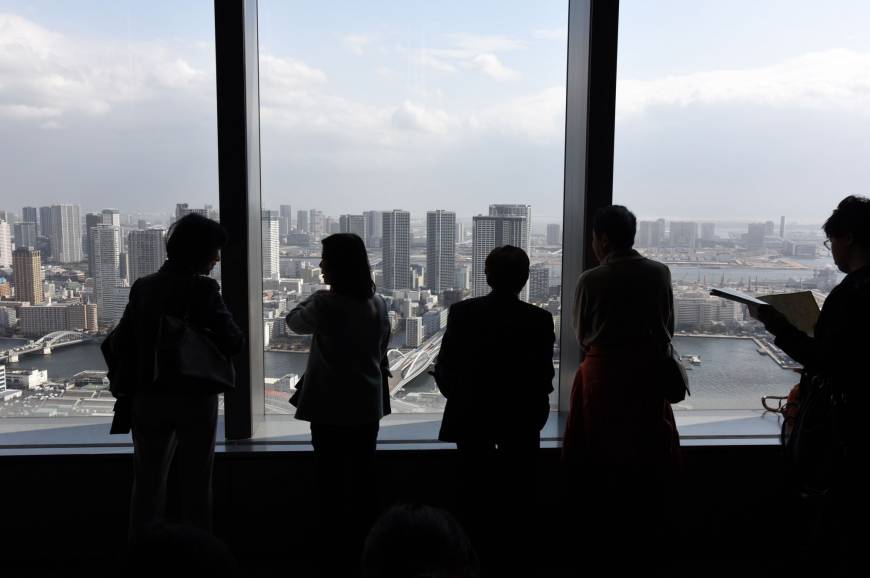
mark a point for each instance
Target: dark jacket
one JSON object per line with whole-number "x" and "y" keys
{"x": 130, "y": 348}
{"x": 495, "y": 368}
{"x": 838, "y": 348}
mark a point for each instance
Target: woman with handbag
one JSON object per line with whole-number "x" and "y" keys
{"x": 171, "y": 355}
{"x": 829, "y": 442}
{"x": 621, "y": 442}
{"x": 344, "y": 392}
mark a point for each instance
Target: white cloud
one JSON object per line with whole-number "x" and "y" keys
{"x": 288, "y": 73}
{"x": 356, "y": 43}
{"x": 48, "y": 75}
{"x": 539, "y": 117}
{"x": 416, "y": 117}
{"x": 819, "y": 80}
{"x": 471, "y": 52}
{"x": 491, "y": 66}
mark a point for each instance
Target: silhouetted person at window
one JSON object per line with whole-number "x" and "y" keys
{"x": 495, "y": 368}
{"x": 343, "y": 393}
{"x": 621, "y": 441}
{"x": 835, "y": 358}
{"x": 411, "y": 541}
{"x": 170, "y": 415}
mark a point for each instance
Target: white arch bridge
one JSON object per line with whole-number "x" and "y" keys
{"x": 45, "y": 344}
{"x": 407, "y": 366}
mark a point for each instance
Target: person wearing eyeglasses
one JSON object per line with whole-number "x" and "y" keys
{"x": 835, "y": 366}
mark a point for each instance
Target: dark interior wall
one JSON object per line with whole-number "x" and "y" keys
{"x": 71, "y": 511}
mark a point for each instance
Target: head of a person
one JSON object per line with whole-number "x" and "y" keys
{"x": 345, "y": 265}
{"x": 414, "y": 540}
{"x": 613, "y": 230}
{"x": 507, "y": 269}
{"x": 194, "y": 242}
{"x": 848, "y": 232}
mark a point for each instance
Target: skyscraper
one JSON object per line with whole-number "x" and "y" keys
{"x": 355, "y": 224}
{"x": 755, "y": 235}
{"x": 440, "y": 250}
{"x": 316, "y": 224}
{"x": 45, "y": 222}
{"x": 5, "y": 244}
{"x": 539, "y": 283}
{"x": 27, "y": 267}
{"x": 147, "y": 252}
{"x": 285, "y": 222}
{"x": 111, "y": 217}
{"x": 31, "y": 215}
{"x": 271, "y": 246}
{"x": 781, "y": 227}
{"x": 554, "y": 234}
{"x": 684, "y": 234}
{"x": 25, "y": 234}
{"x": 396, "y": 246}
{"x": 182, "y": 209}
{"x": 524, "y": 211}
{"x": 66, "y": 234}
{"x": 491, "y": 232}
{"x": 708, "y": 231}
{"x": 302, "y": 221}
{"x": 374, "y": 228}
{"x": 91, "y": 221}
{"x": 105, "y": 242}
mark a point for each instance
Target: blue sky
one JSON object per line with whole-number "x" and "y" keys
{"x": 731, "y": 110}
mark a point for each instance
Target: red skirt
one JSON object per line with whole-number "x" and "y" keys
{"x": 619, "y": 415}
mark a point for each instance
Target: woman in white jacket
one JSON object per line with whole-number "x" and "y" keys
{"x": 344, "y": 392}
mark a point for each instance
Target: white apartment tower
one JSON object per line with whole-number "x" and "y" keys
{"x": 491, "y": 232}
{"x": 146, "y": 252}
{"x": 271, "y": 255}
{"x": 66, "y": 233}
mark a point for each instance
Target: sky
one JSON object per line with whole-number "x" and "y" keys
{"x": 725, "y": 110}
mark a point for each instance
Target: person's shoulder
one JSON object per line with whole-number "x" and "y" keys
{"x": 467, "y": 305}
{"x": 538, "y": 314}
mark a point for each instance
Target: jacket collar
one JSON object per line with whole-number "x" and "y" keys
{"x": 617, "y": 256}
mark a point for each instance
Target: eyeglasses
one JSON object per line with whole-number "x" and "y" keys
{"x": 827, "y": 244}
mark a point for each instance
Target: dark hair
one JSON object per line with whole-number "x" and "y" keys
{"x": 349, "y": 269}
{"x": 618, "y": 223}
{"x": 418, "y": 540}
{"x": 507, "y": 268}
{"x": 193, "y": 240}
{"x": 851, "y": 217}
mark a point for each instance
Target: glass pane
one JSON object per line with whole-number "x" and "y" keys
{"x": 107, "y": 112}
{"x": 410, "y": 124}
{"x": 735, "y": 139}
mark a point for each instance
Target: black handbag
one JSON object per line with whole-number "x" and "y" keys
{"x": 185, "y": 353}
{"x": 673, "y": 376}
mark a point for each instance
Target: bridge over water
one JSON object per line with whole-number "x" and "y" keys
{"x": 405, "y": 366}
{"x": 45, "y": 344}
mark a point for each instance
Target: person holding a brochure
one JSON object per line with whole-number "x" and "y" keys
{"x": 621, "y": 442}
{"x": 835, "y": 357}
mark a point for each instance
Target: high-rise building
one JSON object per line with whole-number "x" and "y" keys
{"x": 650, "y": 233}
{"x": 769, "y": 228}
{"x": 316, "y": 224}
{"x": 554, "y": 234}
{"x": 111, "y": 217}
{"x": 355, "y": 224}
{"x": 708, "y": 231}
{"x": 413, "y": 329}
{"x": 440, "y": 250}
{"x": 123, "y": 265}
{"x": 396, "y": 247}
{"x": 782, "y": 227}
{"x": 31, "y": 215}
{"x": 491, "y": 232}
{"x": 755, "y": 235}
{"x": 25, "y": 235}
{"x": 5, "y": 244}
{"x": 45, "y": 225}
{"x": 524, "y": 211}
{"x": 374, "y": 228}
{"x": 91, "y": 221}
{"x": 27, "y": 267}
{"x": 182, "y": 209}
{"x": 302, "y": 221}
{"x": 105, "y": 244}
{"x": 539, "y": 283}
{"x": 147, "y": 252}
{"x": 285, "y": 220}
{"x": 271, "y": 246}
{"x": 66, "y": 234}
{"x": 684, "y": 234}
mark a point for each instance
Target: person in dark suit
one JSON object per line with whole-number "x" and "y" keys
{"x": 495, "y": 368}
{"x": 168, "y": 414}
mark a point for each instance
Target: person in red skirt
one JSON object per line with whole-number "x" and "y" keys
{"x": 621, "y": 442}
